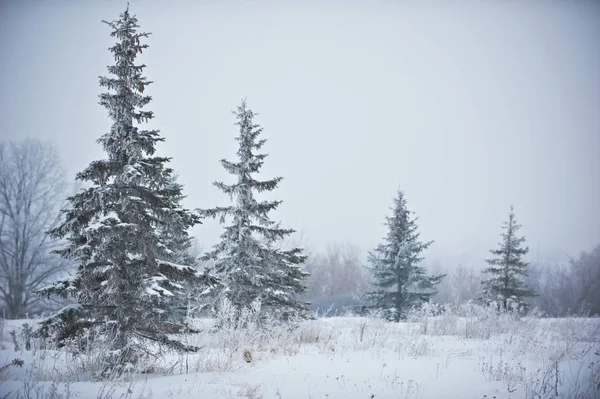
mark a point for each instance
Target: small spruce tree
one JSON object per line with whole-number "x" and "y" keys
{"x": 506, "y": 269}
{"x": 127, "y": 230}
{"x": 246, "y": 260}
{"x": 400, "y": 282}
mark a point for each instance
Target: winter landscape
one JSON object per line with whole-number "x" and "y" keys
{"x": 441, "y": 239}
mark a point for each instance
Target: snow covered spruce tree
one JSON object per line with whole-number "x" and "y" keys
{"x": 246, "y": 259}
{"x": 400, "y": 283}
{"x": 505, "y": 286}
{"x": 125, "y": 230}
{"x": 178, "y": 244}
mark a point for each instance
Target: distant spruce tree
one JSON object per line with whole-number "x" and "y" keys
{"x": 400, "y": 283}
{"x": 127, "y": 232}
{"x": 246, "y": 260}
{"x": 506, "y": 269}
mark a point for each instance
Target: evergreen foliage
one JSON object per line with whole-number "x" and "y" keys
{"x": 247, "y": 260}
{"x": 506, "y": 269}
{"x": 400, "y": 282}
{"x": 127, "y": 232}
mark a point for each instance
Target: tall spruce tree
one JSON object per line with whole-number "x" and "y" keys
{"x": 400, "y": 283}
{"x": 506, "y": 269}
{"x": 177, "y": 244}
{"x": 127, "y": 229}
{"x": 246, "y": 259}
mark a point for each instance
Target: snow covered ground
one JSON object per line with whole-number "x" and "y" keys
{"x": 448, "y": 356}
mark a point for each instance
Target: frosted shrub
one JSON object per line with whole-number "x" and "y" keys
{"x": 226, "y": 315}
{"x": 311, "y": 332}
{"x": 245, "y": 326}
{"x": 482, "y": 322}
{"x": 433, "y": 319}
{"x": 252, "y": 326}
{"x": 22, "y": 339}
{"x": 468, "y": 320}
{"x": 575, "y": 328}
{"x": 374, "y": 331}
{"x": 242, "y": 335}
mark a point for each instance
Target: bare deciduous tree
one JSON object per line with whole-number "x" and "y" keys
{"x": 554, "y": 282}
{"x": 465, "y": 283}
{"x": 461, "y": 284}
{"x": 32, "y": 188}
{"x": 586, "y": 275}
{"x": 337, "y": 272}
{"x": 568, "y": 289}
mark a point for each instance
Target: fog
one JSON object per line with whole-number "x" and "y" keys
{"x": 469, "y": 108}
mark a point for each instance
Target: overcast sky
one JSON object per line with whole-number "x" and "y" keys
{"x": 469, "y": 108}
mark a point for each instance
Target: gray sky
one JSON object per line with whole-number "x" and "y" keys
{"x": 468, "y": 107}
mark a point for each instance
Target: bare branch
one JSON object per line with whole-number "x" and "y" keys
{"x": 32, "y": 189}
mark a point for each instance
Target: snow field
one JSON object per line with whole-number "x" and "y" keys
{"x": 480, "y": 355}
